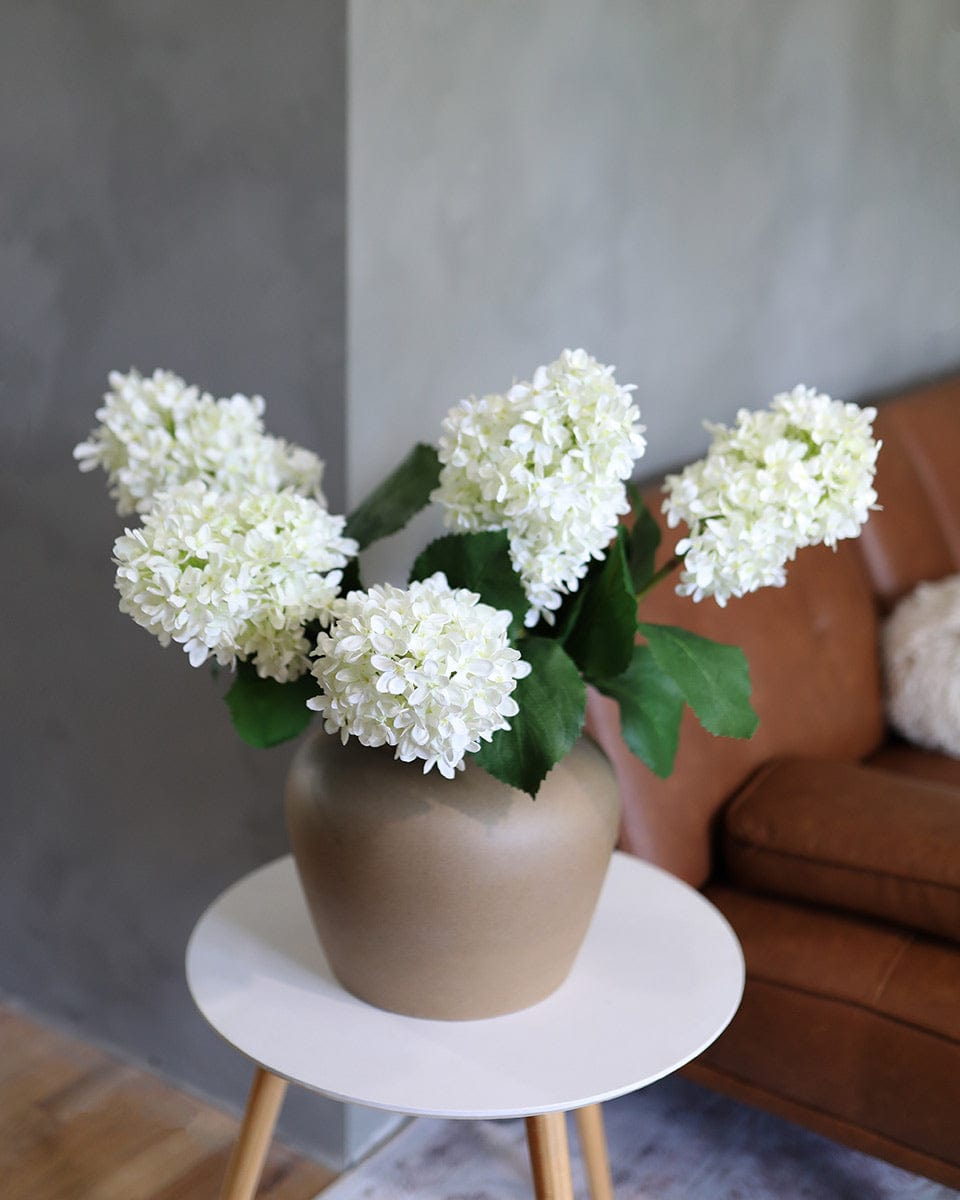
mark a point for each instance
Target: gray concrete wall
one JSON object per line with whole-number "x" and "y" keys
{"x": 173, "y": 195}
{"x": 723, "y": 197}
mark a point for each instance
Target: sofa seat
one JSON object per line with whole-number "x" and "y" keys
{"x": 842, "y": 881}
{"x": 849, "y": 1025}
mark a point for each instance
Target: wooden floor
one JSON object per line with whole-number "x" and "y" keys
{"x": 76, "y": 1124}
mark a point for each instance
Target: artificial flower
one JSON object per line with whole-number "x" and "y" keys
{"x": 428, "y": 669}
{"x": 233, "y": 575}
{"x": 795, "y": 475}
{"x": 546, "y": 462}
{"x": 156, "y": 433}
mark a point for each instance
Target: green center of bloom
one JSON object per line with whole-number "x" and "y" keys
{"x": 796, "y": 434}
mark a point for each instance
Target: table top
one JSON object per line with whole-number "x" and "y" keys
{"x": 658, "y": 978}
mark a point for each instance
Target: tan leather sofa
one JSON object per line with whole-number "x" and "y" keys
{"x": 833, "y": 849}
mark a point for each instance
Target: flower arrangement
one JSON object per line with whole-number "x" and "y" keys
{"x": 506, "y": 619}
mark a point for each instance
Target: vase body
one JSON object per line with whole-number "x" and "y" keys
{"x": 448, "y": 899}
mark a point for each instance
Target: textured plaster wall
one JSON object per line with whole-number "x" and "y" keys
{"x": 173, "y": 194}
{"x": 722, "y": 198}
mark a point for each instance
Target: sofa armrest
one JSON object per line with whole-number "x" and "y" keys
{"x": 850, "y": 837}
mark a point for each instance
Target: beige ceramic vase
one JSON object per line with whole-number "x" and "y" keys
{"x": 448, "y": 899}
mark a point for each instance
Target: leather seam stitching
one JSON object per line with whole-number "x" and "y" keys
{"x": 838, "y": 866}
{"x": 858, "y": 1004}
{"x": 894, "y": 960}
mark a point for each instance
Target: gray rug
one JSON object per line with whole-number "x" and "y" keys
{"x": 672, "y": 1141}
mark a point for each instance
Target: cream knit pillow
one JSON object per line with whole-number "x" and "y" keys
{"x": 921, "y": 653}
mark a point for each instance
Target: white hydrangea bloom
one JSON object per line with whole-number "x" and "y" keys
{"x": 233, "y": 575}
{"x": 781, "y": 479}
{"x": 157, "y": 433}
{"x": 547, "y": 462}
{"x": 428, "y": 669}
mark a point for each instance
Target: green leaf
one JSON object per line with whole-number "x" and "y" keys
{"x": 265, "y": 712}
{"x": 402, "y": 494}
{"x": 643, "y": 541}
{"x": 601, "y": 639}
{"x": 651, "y": 706}
{"x": 553, "y": 703}
{"x": 713, "y": 678}
{"x": 480, "y": 562}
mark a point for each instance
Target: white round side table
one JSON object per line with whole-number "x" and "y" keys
{"x": 658, "y": 978}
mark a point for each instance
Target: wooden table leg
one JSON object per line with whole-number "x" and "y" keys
{"x": 550, "y": 1156}
{"x": 246, "y": 1163}
{"x": 593, "y": 1143}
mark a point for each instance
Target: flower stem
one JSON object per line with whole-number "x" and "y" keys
{"x": 670, "y": 565}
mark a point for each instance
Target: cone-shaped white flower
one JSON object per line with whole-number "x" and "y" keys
{"x": 156, "y": 433}
{"x": 781, "y": 479}
{"x": 547, "y": 462}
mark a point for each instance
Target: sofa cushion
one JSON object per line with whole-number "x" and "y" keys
{"x": 848, "y": 1025}
{"x": 854, "y": 837}
{"x": 916, "y": 533}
